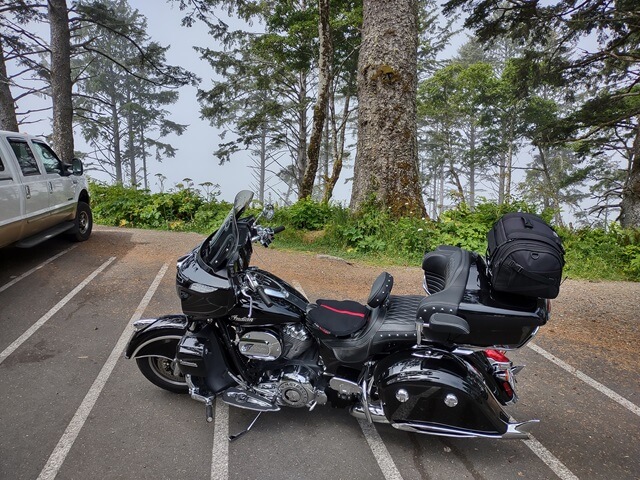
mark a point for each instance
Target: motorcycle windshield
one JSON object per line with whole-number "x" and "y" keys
{"x": 223, "y": 244}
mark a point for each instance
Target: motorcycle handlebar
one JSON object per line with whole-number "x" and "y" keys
{"x": 278, "y": 229}
{"x": 263, "y": 295}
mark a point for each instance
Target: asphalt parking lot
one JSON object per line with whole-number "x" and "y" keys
{"x": 72, "y": 407}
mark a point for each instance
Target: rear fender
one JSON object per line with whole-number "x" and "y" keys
{"x": 158, "y": 338}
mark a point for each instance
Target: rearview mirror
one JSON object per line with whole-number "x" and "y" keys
{"x": 77, "y": 167}
{"x": 268, "y": 211}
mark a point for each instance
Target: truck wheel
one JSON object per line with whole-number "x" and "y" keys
{"x": 84, "y": 223}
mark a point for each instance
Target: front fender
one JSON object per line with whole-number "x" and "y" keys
{"x": 159, "y": 338}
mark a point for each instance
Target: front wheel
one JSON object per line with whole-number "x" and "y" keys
{"x": 83, "y": 223}
{"x": 163, "y": 373}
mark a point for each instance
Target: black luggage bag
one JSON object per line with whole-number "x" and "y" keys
{"x": 525, "y": 256}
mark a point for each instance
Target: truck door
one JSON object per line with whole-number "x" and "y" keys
{"x": 62, "y": 185}
{"x": 35, "y": 188}
{"x": 11, "y": 204}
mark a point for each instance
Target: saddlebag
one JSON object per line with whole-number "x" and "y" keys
{"x": 436, "y": 392}
{"x": 524, "y": 256}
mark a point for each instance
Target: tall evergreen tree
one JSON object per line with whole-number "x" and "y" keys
{"x": 606, "y": 73}
{"x": 122, "y": 92}
{"x": 387, "y": 159}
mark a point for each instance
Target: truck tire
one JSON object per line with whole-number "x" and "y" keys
{"x": 84, "y": 223}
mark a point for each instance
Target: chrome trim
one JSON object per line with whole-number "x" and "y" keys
{"x": 248, "y": 400}
{"x": 514, "y": 431}
{"x": 152, "y": 340}
{"x": 276, "y": 293}
{"x": 143, "y": 323}
{"x": 376, "y": 413}
{"x": 365, "y": 392}
{"x": 344, "y": 386}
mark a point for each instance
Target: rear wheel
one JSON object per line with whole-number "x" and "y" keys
{"x": 163, "y": 373}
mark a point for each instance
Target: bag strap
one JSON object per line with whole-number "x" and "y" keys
{"x": 533, "y": 276}
{"x": 535, "y": 236}
{"x": 527, "y": 222}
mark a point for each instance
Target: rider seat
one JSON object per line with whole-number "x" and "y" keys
{"x": 342, "y": 318}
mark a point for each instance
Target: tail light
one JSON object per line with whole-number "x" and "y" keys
{"x": 503, "y": 372}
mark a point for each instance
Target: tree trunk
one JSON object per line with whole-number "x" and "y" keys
{"x": 472, "y": 166}
{"x": 339, "y": 135}
{"x": 630, "y": 205}
{"x": 8, "y": 119}
{"x": 387, "y": 159}
{"x": 320, "y": 109}
{"x": 117, "y": 158}
{"x": 61, "y": 84}
{"x": 263, "y": 162}
{"x": 133, "y": 169}
{"x": 301, "y": 160}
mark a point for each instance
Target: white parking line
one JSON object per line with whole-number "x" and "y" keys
{"x": 31, "y": 330}
{"x": 549, "y": 458}
{"x": 633, "y": 408}
{"x": 380, "y": 452}
{"x": 26, "y": 274}
{"x": 220, "y": 450}
{"x": 69, "y": 436}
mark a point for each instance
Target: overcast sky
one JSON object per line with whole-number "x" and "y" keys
{"x": 194, "y": 158}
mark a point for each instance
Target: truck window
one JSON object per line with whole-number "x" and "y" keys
{"x": 48, "y": 157}
{"x": 1, "y": 165}
{"x": 26, "y": 160}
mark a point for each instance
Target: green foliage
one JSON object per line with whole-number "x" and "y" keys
{"x": 612, "y": 254}
{"x": 307, "y": 214}
{"x": 122, "y": 206}
{"x": 598, "y": 254}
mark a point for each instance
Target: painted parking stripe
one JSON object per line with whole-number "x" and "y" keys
{"x": 220, "y": 451}
{"x": 26, "y": 274}
{"x": 31, "y": 330}
{"x": 632, "y": 407}
{"x": 549, "y": 459}
{"x": 59, "y": 454}
{"x": 380, "y": 452}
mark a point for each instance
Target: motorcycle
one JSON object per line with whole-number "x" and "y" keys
{"x": 433, "y": 364}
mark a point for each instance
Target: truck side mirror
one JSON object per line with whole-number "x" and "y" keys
{"x": 77, "y": 167}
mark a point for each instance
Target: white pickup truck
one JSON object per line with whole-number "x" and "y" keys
{"x": 39, "y": 195}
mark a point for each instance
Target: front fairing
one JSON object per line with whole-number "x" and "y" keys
{"x": 203, "y": 293}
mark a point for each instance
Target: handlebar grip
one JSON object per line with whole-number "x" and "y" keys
{"x": 278, "y": 229}
{"x": 265, "y": 298}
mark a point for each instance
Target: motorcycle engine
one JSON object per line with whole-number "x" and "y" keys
{"x": 293, "y": 386}
{"x": 290, "y": 342}
{"x": 287, "y": 384}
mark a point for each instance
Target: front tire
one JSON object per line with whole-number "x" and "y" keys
{"x": 83, "y": 223}
{"x": 161, "y": 372}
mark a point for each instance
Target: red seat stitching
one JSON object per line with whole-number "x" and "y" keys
{"x": 346, "y": 312}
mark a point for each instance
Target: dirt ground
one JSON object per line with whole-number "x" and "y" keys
{"x": 585, "y": 316}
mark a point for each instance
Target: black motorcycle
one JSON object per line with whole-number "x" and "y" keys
{"x": 431, "y": 364}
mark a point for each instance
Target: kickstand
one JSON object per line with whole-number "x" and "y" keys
{"x": 238, "y": 435}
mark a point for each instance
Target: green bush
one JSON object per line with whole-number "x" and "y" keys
{"x": 307, "y": 214}
{"x": 371, "y": 234}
